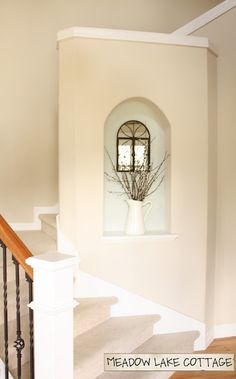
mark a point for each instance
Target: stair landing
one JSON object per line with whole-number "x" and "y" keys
{"x": 37, "y": 241}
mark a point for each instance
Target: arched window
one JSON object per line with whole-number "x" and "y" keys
{"x": 133, "y": 147}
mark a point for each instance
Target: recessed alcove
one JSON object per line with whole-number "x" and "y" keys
{"x": 115, "y": 206}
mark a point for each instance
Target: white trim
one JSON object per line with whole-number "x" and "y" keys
{"x": 224, "y": 330}
{"x": 130, "y": 304}
{"x": 134, "y": 36}
{"x": 220, "y": 331}
{"x": 53, "y": 294}
{"x": 205, "y": 18}
{"x": 63, "y": 243}
{"x": 52, "y": 261}
{"x": 121, "y": 237}
{"x": 209, "y": 336}
{"x": 36, "y": 224}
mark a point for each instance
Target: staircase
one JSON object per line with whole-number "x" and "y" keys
{"x": 95, "y": 332}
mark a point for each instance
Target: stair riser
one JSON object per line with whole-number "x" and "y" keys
{"x": 50, "y": 230}
{"x": 133, "y": 339}
{"x": 90, "y": 317}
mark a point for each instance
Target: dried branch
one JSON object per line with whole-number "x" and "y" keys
{"x": 140, "y": 183}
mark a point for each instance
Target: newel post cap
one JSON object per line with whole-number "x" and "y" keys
{"x": 52, "y": 261}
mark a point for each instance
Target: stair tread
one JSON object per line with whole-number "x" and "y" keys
{"x": 91, "y": 312}
{"x": 111, "y": 330}
{"x": 37, "y": 241}
{"x": 168, "y": 343}
{"x": 109, "y": 336}
{"x": 49, "y": 218}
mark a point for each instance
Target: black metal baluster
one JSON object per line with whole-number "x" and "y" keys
{"x": 19, "y": 343}
{"x": 5, "y": 308}
{"x": 31, "y": 327}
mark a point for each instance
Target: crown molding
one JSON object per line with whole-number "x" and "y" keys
{"x": 134, "y": 36}
{"x": 205, "y": 18}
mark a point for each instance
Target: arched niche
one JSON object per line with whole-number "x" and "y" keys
{"x": 115, "y": 206}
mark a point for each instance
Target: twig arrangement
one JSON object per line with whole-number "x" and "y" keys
{"x": 140, "y": 183}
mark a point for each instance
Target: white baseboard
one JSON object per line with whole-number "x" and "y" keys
{"x": 130, "y": 304}
{"x": 36, "y": 224}
{"x": 210, "y": 336}
{"x": 224, "y": 330}
{"x": 220, "y": 331}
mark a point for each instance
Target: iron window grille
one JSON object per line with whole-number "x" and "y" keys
{"x": 133, "y": 147}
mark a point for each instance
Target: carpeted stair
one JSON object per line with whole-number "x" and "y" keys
{"x": 95, "y": 332}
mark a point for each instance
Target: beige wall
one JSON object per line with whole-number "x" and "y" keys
{"x": 95, "y": 76}
{"x": 222, "y": 33}
{"x": 28, "y": 77}
{"x": 28, "y": 117}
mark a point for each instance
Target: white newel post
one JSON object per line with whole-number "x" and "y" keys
{"x": 53, "y": 315}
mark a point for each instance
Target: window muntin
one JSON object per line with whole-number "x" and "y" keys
{"x": 133, "y": 147}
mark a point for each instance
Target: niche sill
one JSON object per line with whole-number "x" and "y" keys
{"x": 148, "y": 236}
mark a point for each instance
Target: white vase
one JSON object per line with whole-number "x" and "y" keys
{"x": 135, "y": 217}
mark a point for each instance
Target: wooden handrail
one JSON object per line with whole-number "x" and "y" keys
{"x": 15, "y": 245}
